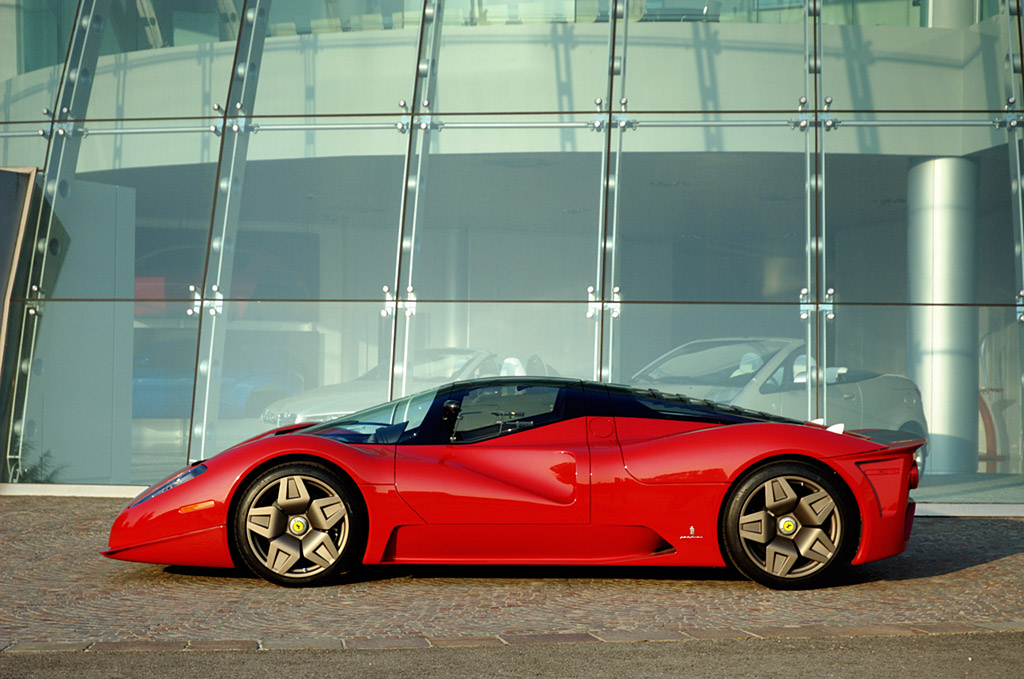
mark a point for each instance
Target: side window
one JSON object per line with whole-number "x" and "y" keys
{"x": 498, "y": 410}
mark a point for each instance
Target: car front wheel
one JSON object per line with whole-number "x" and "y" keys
{"x": 300, "y": 524}
{"x": 789, "y": 526}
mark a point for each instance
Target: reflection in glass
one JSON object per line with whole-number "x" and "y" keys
{"x": 695, "y": 223}
{"x": 889, "y": 55}
{"x": 138, "y": 215}
{"x": 870, "y": 253}
{"x": 516, "y": 57}
{"x": 503, "y": 339}
{"x": 706, "y": 55}
{"x": 877, "y": 338}
{"x": 108, "y": 393}
{"x": 499, "y": 214}
{"x": 23, "y": 145}
{"x": 752, "y": 356}
{"x": 338, "y": 57}
{"x": 320, "y": 211}
{"x": 169, "y": 58}
{"x": 278, "y": 363}
{"x": 34, "y": 40}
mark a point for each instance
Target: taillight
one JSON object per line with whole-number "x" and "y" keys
{"x": 915, "y": 475}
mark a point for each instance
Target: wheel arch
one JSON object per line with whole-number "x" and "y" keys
{"x": 257, "y": 470}
{"x": 841, "y": 483}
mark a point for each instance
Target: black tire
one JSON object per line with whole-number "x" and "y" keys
{"x": 790, "y": 526}
{"x": 299, "y": 525}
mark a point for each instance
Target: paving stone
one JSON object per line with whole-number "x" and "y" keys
{"x": 465, "y": 642}
{"x": 791, "y": 632}
{"x": 632, "y": 635}
{"x": 520, "y": 639}
{"x": 386, "y": 642}
{"x": 300, "y": 644}
{"x": 957, "y": 574}
{"x": 142, "y": 645}
{"x": 223, "y": 645}
{"x": 47, "y": 646}
{"x": 715, "y": 633}
{"x": 872, "y": 630}
{"x": 1005, "y": 626}
{"x": 944, "y": 627}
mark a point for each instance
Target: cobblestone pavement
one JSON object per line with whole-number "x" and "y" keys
{"x": 59, "y": 593}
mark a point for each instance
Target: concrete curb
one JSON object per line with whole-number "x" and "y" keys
{"x": 610, "y": 636}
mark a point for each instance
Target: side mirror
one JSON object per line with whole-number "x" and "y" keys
{"x": 450, "y": 416}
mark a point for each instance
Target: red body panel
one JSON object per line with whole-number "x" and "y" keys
{"x": 586, "y": 490}
{"x": 539, "y": 476}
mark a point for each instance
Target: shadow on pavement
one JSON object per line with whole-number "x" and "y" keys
{"x": 938, "y": 546}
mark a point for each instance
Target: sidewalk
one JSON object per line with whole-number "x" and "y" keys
{"x": 958, "y": 576}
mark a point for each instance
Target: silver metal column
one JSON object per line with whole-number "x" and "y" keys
{"x": 942, "y": 284}
{"x": 948, "y": 13}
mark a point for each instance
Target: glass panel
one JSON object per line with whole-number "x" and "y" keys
{"x": 136, "y": 215}
{"x": 320, "y": 210}
{"x": 970, "y": 386}
{"x": 33, "y": 44}
{"x": 881, "y": 55}
{"x": 167, "y": 59}
{"x": 504, "y": 210}
{"x": 23, "y": 145}
{"x": 695, "y": 55}
{"x": 744, "y": 355}
{"x": 338, "y": 56}
{"x": 710, "y": 213}
{"x": 108, "y": 393}
{"x": 550, "y": 55}
{"x": 494, "y": 339}
{"x": 881, "y": 198}
{"x": 274, "y": 363}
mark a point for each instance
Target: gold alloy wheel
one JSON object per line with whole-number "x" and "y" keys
{"x": 297, "y": 526}
{"x": 790, "y": 527}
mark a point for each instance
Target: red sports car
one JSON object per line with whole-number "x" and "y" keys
{"x": 536, "y": 471}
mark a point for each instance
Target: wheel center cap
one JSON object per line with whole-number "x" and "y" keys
{"x": 298, "y": 526}
{"x": 788, "y": 525}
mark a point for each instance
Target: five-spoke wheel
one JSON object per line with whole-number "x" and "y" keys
{"x": 298, "y": 524}
{"x": 788, "y": 525}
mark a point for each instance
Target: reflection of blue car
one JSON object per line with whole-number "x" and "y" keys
{"x": 163, "y": 377}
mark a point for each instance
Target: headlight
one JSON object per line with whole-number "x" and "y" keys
{"x": 181, "y": 477}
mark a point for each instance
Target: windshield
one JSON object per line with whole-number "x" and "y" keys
{"x": 387, "y": 423}
{"x": 713, "y": 363}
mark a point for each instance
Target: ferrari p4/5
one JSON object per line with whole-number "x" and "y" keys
{"x": 530, "y": 470}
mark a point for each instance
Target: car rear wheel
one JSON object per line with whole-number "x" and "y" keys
{"x": 789, "y": 526}
{"x": 300, "y": 524}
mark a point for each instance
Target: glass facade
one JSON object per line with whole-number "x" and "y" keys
{"x": 254, "y": 212}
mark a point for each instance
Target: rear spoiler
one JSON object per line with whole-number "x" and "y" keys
{"x": 891, "y": 438}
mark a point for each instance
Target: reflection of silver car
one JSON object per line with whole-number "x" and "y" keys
{"x": 427, "y": 368}
{"x": 770, "y": 375}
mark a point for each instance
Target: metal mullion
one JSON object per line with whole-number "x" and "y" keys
{"x": 32, "y": 133}
{"x": 714, "y": 123}
{"x": 424, "y": 97}
{"x": 62, "y": 156}
{"x": 316, "y": 127}
{"x": 224, "y": 221}
{"x": 86, "y": 132}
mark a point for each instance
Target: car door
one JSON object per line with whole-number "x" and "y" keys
{"x": 511, "y": 453}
